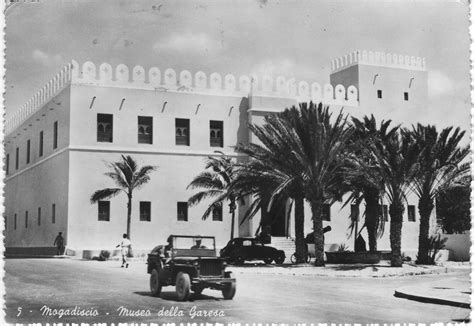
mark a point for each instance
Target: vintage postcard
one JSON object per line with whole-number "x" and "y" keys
{"x": 256, "y": 162}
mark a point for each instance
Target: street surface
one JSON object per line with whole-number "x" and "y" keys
{"x": 40, "y": 290}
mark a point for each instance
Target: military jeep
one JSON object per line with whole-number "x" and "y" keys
{"x": 189, "y": 263}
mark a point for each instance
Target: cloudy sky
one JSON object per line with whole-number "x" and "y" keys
{"x": 293, "y": 38}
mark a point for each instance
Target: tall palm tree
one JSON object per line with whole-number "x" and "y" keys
{"x": 215, "y": 180}
{"x": 440, "y": 167}
{"x": 366, "y": 133}
{"x": 127, "y": 176}
{"x": 395, "y": 162}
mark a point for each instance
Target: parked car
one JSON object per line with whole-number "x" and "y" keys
{"x": 239, "y": 250}
{"x": 189, "y": 263}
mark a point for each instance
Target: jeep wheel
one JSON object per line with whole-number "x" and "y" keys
{"x": 155, "y": 284}
{"x": 228, "y": 291}
{"x": 183, "y": 286}
{"x": 268, "y": 261}
{"x": 239, "y": 260}
{"x": 280, "y": 259}
{"x": 198, "y": 290}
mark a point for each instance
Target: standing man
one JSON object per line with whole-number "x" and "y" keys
{"x": 59, "y": 243}
{"x": 125, "y": 246}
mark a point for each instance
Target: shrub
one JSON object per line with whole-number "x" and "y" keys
{"x": 104, "y": 255}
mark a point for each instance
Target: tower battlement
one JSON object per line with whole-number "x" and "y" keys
{"x": 380, "y": 59}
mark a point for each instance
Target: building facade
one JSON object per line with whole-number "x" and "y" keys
{"x": 59, "y": 143}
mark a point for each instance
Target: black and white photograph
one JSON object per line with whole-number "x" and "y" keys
{"x": 244, "y": 163}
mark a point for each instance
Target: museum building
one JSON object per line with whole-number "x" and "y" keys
{"x": 58, "y": 144}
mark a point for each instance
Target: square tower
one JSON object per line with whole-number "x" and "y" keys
{"x": 390, "y": 86}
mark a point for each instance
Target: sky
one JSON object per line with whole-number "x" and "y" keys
{"x": 291, "y": 38}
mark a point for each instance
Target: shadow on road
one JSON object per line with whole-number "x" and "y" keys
{"x": 171, "y": 296}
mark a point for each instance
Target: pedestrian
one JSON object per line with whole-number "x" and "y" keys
{"x": 59, "y": 243}
{"x": 125, "y": 247}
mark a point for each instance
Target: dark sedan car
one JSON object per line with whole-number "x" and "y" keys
{"x": 239, "y": 250}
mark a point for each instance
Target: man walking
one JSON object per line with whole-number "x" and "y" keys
{"x": 59, "y": 243}
{"x": 125, "y": 247}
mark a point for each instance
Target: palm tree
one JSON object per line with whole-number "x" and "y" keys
{"x": 366, "y": 133}
{"x": 440, "y": 167}
{"x": 127, "y": 176}
{"x": 215, "y": 180}
{"x": 395, "y": 164}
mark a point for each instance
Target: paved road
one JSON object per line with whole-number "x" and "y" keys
{"x": 103, "y": 287}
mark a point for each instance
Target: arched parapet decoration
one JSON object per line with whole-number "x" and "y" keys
{"x": 230, "y": 83}
{"x": 200, "y": 80}
{"x": 365, "y": 56}
{"x": 170, "y": 77}
{"x": 418, "y": 62}
{"x": 377, "y": 57}
{"x": 267, "y": 84}
{"x": 254, "y": 82}
{"x": 388, "y": 58}
{"x": 352, "y": 94}
{"x": 89, "y": 71}
{"x": 303, "y": 89}
{"x": 215, "y": 81}
{"x": 244, "y": 83}
{"x": 383, "y": 58}
{"x": 75, "y": 70}
{"x": 105, "y": 72}
{"x": 281, "y": 85}
{"x": 138, "y": 75}
{"x": 423, "y": 63}
{"x": 407, "y": 60}
{"x": 154, "y": 76}
{"x": 122, "y": 74}
{"x": 292, "y": 87}
{"x": 340, "y": 92}
{"x": 328, "y": 92}
{"x": 413, "y": 61}
{"x": 316, "y": 94}
{"x": 185, "y": 78}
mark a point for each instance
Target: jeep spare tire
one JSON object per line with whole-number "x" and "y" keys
{"x": 183, "y": 286}
{"x": 155, "y": 284}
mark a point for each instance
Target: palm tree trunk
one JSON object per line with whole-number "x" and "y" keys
{"x": 425, "y": 206}
{"x": 129, "y": 215}
{"x": 372, "y": 217}
{"x": 316, "y": 209}
{"x": 299, "y": 230}
{"x": 396, "y": 222}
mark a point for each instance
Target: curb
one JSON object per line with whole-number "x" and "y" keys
{"x": 400, "y": 294}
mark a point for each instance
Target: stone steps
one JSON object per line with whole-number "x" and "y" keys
{"x": 285, "y": 244}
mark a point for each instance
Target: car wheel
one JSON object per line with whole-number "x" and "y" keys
{"x": 239, "y": 260}
{"x": 155, "y": 284}
{"x": 293, "y": 258}
{"x": 228, "y": 291}
{"x": 268, "y": 261}
{"x": 280, "y": 259}
{"x": 183, "y": 286}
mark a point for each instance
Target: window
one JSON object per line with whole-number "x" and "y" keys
{"x": 182, "y": 132}
{"x": 39, "y": 215}
{"x": 26, "y": 219}
{"x": 182, "y": 211}
{"x": 104, "y": 128}
{"x": 14, "y": 222}
{"x": 383, "y": 212}
{"x": 40, "y": 149}
{"x": 104, "y": 210}
{"x": 53, "y": 215}
{"x": 145, "y": 211}
{"x": 145, "y": 130}
{"x": 28, "y": 144}
{"x": 411, "y": 213}
{"x": 55, "y": 135}
{"x": 217, "y": 213}
{"x": 326, "y": 212}
{"x": 405, "y": 96}
{"x": 217, "y": 133}
{"x": 379, "y": 93}
{"x": 7, "y": 164}
{"x": 17, "y": 158}
{"x": 354, "y": 212}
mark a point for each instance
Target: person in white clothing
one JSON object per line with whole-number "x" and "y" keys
{"x": 125, "y": 246}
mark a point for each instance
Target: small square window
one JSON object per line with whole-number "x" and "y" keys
{"x": 405, "y": 96}
{"x": 217, "y": 133}
{"x": 411, "y": 213}
{"x": 145, "y": 130}
{"x": 182, "y": 211}
{"x": 326, "y": 212}
{"x": 217, "y": 213}
{"x": 145, "y": 211}
{"x": 182, "y": 132}
{"x": 379, "y": 93}
{"x": 104, "y": 210}
{"x": 354, "y": 212}
{"x": 104, "y": 128}
{"x": 28, "y": 147}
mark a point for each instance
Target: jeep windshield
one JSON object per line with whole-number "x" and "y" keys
{"x": 193, "y": 246}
